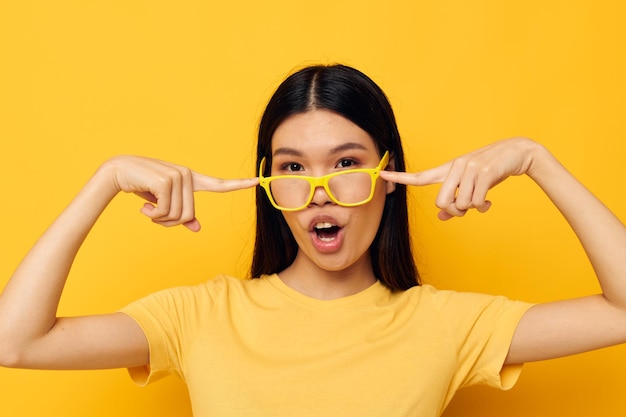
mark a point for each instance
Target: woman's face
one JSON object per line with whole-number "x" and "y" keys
{"x": 329, "y": 236}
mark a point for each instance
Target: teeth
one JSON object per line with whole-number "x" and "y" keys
{"x": 323, "y": 225}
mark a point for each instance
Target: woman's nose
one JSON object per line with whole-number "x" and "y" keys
{"x": 320, "y": 197}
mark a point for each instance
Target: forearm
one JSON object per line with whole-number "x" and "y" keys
{"x": 29, "y": 302}
{"x": 601, "y": 233}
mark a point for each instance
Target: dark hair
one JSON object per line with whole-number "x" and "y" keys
{"x": 353, "y": 95}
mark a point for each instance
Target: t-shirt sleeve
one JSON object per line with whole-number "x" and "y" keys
{"x": 166, "y": 318}
{"x": 481, "y": 327}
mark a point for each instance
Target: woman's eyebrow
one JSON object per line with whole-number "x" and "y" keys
{"x": 346, "y": 147}
{"x": 287, "y": 151}
{"x": 343, "y": 147}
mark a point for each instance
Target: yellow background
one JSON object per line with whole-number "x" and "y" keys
{"x": 186, "y": 81}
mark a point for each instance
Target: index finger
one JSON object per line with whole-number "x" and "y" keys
{"x": 220, "y": 185}
{"x": 435, "y": 175}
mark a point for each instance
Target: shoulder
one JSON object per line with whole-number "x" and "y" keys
{"x": 462, "y": 306}
{"x": 197, "y": 296}
{"x": 429, "y": 292}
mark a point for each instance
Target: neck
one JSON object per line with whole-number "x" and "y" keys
{"x": 309, "y": 279}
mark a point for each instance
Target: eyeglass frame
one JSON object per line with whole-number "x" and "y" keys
{"x": 315, "y": 182}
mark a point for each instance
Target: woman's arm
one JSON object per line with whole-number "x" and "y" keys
{"x": 567, "y": 327}
{"x": 552, "y": 329}
{"x": 31, "y": 336}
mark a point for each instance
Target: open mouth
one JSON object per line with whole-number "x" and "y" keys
{"x": 326, "y": 231}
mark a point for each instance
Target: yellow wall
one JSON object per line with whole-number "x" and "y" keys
{"x": 186, "y": 81}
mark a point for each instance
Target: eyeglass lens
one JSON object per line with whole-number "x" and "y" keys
{"x": 347, "y": 188}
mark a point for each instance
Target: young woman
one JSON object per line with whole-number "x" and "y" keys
{"x": 335, "y": 322}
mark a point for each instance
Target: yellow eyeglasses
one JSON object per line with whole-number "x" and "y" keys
{"x": 348, "y": 188}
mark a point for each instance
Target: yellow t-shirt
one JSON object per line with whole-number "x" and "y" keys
{"x": 259, "y": 348}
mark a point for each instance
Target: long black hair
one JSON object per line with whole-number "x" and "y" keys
{"x": 353, "y": 95}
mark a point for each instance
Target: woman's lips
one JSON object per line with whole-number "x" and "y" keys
{"x": 326, "y": 231}
{"x": 326, "y": 235}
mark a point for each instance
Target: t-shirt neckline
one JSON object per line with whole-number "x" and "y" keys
{"x": 375, "y": 290}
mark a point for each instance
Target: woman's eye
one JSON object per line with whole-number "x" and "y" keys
{"x": 346, "y": 163}
{"x": 292, "y": 167}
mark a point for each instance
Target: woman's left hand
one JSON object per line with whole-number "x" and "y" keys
{"x": 466, "y": 179}
{"x": 559, "y": 328}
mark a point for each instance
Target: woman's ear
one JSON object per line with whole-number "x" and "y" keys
{"x": 391, "y": 166}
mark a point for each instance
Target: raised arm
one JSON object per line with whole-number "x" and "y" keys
{"x": 552, "y": 329}
{"x": 31, "y": 336}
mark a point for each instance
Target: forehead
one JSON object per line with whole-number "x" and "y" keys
{"x": 319, "y": 131}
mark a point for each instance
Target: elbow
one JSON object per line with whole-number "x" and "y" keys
{"x": 9, "y": 358}
{"x": 11, "y": 355}
{"x": 9, "y": 361}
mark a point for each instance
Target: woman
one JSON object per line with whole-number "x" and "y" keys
{"x": 336, "y": 323}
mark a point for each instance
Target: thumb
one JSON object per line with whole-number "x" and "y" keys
{"x": 193, "y": 225}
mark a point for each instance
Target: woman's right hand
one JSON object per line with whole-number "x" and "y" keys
{"x": 31, "y": 335}
{"x": 168, "y": 188}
